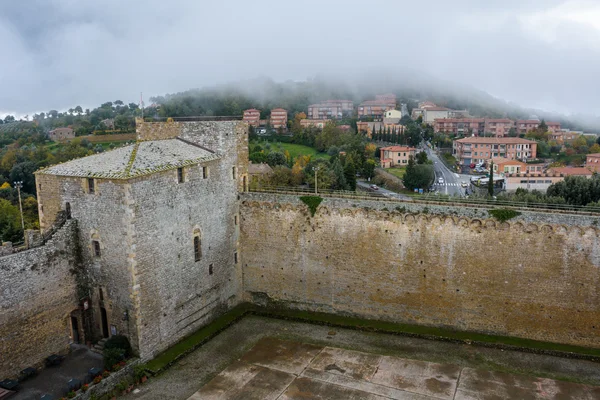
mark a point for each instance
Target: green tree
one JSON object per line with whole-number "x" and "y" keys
{"x": 417, "y": 176}
{"x": 339, "y": 182}
{"x": 276, "y": 158}
{"x": 350, "y": 174}
{"x": 369, "y": 169}
{"x": 421, "y": 157}
{"x": 10, "y": 225}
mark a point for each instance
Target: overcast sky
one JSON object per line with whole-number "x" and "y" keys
{"x": 58, "y": 54}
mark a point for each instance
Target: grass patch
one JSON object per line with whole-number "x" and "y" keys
{"x": 429, "y": 332}
{"x": 398, "y": 172}
{"x": 312, "y": 202}
{"x": 190, "y": 343}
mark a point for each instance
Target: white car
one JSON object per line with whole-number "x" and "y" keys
{"x": 440, "y": 180}
{"x": 464, "y": 184}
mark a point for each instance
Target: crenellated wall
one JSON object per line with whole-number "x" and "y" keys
{"x": 535, "y": 276}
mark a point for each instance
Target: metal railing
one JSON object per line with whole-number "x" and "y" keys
{"x": 432, "y": 199}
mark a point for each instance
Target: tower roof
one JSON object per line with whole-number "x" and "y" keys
{"x": 141, "y": 158}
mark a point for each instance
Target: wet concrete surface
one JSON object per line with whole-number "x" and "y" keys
{"x": 264, "y": 358}
{"x": 278, "y": 369}
{"x": 53, "y": 380}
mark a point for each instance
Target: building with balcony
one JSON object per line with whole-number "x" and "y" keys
{"x": 252, "y": 117}
{"x": 460, "y": 126}
{"x": 396, "y": 156}
{"x": 374, "y": 108}
{"x": 475, "y": 150}
{"x": 279, "y": 118}
{"x": 526, "y": 125}
{"x": 330, "y": 109}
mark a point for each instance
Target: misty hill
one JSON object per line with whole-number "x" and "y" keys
{"x": 410, "y": 87}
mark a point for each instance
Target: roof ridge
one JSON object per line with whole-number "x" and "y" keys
{"x": 194, "y": 144}
{"x": 131, "y": 160}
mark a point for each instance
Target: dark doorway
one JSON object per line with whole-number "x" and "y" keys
{"x": 104, "y": 322}
{"x": 75, "y": 328}
{"x": 245, "y": 184}
{"x": 68, "y": 210}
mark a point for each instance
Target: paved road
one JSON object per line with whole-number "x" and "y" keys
{"x": 452, "y": 180}
{"x": 382, "y": 191}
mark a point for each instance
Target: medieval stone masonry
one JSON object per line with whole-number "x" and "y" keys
{"x": 163, "y": 237}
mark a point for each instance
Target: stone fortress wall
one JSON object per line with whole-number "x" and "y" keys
{"x": 38, "y": 293}
{"x": 535, "y": 276}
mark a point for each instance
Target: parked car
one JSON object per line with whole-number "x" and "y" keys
{"x": 374, "y": 187}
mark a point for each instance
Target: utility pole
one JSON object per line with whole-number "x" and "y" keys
{"x": 19, "y": 185}
{"x": 316, "y": 169}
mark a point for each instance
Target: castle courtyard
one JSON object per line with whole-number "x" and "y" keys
{"x": 266, "y": 358}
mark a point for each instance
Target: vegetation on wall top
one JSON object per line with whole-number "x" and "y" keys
{"x": 503, "y": 214}
{"x": 312, "y": 202}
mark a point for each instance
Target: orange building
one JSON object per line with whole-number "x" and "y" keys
{"x": 526, "y": 125}
{"x": 252, "y": 117}
{"x": 396, "y": 155}
{"x": 279, "y": 118}
{"x": 475, "y": 150}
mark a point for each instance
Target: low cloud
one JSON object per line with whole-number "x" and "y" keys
{"x": 62, "y": 53}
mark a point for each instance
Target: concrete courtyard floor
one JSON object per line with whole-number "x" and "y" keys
{"x": 264, "y": 358}
{"x": 54, "y": 380}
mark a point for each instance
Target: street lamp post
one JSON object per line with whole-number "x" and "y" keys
{"x": 19, "y": 185}
{"x": 316, "y": 169}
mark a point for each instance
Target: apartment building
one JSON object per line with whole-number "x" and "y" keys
{"x": 526, "y": 125}
{"x": 474, "y": 150}
{"x": 374, "y": 108}
{"x": 330, "y": 109}
{"x": 460, "y": 126}
{"x": 279, "y": 118}
{"x": 252, "y": 117}
{"x": 396, "y": 156}
{"x": 499, "y": 127}
{"x": 473, "y": 126}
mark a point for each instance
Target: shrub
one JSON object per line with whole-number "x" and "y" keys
{"x": 97, "y": 379}
{"x": 118, "y": 342}
{"x": 85, "y": 388}
{"x": 112, "y": 357}
{"x": 139, "y": 371}
{"x": 71, "y": 394}
{"x": 105, "y": 374}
